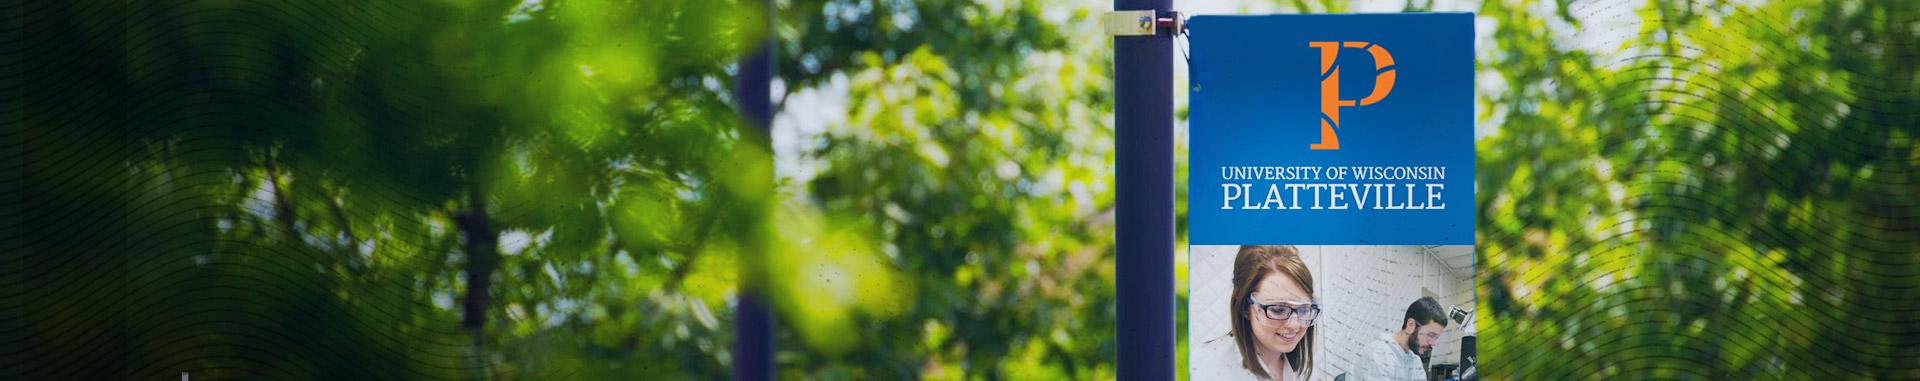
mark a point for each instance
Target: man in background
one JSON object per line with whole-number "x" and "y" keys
{"x": 1395, "y": 356}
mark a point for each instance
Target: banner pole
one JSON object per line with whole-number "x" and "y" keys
{"x": 1143, "y": 145}
{"x": 753, "y": 317}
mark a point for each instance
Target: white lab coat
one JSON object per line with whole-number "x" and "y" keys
{"x": 1387, "y": 360}
{"x": 1218, "y": 358}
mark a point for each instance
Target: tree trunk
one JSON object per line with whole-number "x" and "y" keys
{"x": 482, "y": 258}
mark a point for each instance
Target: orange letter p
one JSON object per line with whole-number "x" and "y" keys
{"x": 1330, "y": 102}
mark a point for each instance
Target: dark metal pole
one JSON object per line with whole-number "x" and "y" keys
{"x": 753, "y": 318}
{"x": 1143, "y": 134}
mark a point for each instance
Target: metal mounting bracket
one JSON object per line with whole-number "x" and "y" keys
{"x": 1142, "y": 23}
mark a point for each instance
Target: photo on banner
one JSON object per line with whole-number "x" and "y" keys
{"x": 1331, "y": 197}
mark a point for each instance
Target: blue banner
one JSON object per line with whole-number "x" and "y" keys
{"x": 1331, "y": 129}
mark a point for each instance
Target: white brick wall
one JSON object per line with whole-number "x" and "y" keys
{"x": 1363, "y": 292}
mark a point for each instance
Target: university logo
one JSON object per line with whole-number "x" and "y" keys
{"x": 1330, "y": 102}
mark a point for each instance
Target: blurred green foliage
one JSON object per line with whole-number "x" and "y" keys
{"x": 1723, "y": 191}
{"x": 541, "y": 189}
{"x": 380, "y": 189}
{"x": 975, "y": 153}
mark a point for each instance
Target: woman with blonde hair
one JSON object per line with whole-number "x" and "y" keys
{"x": 1272, "y": 310}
